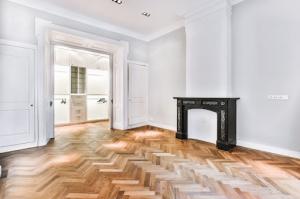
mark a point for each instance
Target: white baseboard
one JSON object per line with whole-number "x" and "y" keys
{"x": 163, "y": 126}
{"x": 271, "y": 149}
{"x": 137, "y": 125}
{"x": 17, "y": 147}
{"x": 260, "y": 147}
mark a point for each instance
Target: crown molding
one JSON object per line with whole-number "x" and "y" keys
{"x": 164, "y": 31}
{"x": 54, "y": 10}
{"x": 208, "y": 7}
{"x": 234, "y": 2}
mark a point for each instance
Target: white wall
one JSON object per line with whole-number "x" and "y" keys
{"x": 266, "y": 49}
{"x": 207, "y": 68}
{"x": 167, "y": 77}
{"x": 17, "y": 23}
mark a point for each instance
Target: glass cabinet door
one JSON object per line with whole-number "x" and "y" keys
{"x": 78, "y": 80}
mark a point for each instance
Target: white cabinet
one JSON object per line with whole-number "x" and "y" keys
{"x": 97, "y": 107}
{"x": 62, "y": 109}
{"x": 78, "y": 108}
{"x": 61, "y": 80}
{"x": 97, "y": 82}
{"x": 77, "y": 59}
{"x": 61, "y": 56}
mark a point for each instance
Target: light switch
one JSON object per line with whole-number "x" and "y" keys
{"x": 278, "y": 97}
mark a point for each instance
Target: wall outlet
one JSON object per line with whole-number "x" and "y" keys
{"x": 278, "y": 97}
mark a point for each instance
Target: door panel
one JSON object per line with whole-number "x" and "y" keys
{"x": 62, "y": 109}
{"x": 16, "y": 96}
{"x": 62, "y": 80}
{"x": 97, "y": 82}
{"x": 138, "y": 92}
{"x": 97, "y": 110}
{"x": 61, "y": 57}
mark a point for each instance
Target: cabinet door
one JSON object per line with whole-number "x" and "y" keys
{"x": 97, "y": 110}
{"x": 78, "y": 59}
{"x": 61, "y": 57}
{"x": 62, "y": 109}
{"x": 61, "y": 80}
{"x": 102, "y": 63}
{"x": 97, "y": 82}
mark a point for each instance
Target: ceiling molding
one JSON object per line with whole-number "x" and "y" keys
{"x": 208, "y": 6}
{"x": 234, "y": 2}
{"x": 165, "y": 31}
{"x": 50, "y": 9}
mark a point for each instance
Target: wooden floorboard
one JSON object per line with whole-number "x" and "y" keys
{"x": 88, "y": 161}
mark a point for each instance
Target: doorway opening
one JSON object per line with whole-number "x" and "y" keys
{"x": 82, "y": 86}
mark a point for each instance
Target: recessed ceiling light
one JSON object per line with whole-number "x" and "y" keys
{"x": 146, "y": 14}
{"x": 118, "y": 1}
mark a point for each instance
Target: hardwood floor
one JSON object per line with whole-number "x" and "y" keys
{"x": 87, "y": 161}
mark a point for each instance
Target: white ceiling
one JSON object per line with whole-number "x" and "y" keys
{"x": 128, "y": 15}
{"x": 164, "y": 13}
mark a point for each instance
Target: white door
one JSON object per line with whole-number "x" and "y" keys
{"x": 62, "y": 109}
{"x": 97, "y": 107}
{"x": 17, "y": 88}
{"x": 138, "y": 94}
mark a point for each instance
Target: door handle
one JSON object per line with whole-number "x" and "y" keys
{"x": 63, "y": 101}
{"x": 102, "y": 101}
{"x": 51, "y": 103}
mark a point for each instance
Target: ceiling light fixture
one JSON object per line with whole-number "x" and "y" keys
{"x": 118, "y": 1}
{"x": 146, "y": 14}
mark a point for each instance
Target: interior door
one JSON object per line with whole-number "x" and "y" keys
{"x": 16, "y": 97}
{"x": 138, "y": 94}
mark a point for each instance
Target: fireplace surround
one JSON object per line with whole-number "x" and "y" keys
{"x": 226, "y": 118}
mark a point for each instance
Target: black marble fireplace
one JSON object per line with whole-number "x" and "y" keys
{"x": 225, "y": 109}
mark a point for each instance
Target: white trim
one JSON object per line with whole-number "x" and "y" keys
{"x": 137, "y": 125}
{"x": 18, "y": 44}
{"x": 206, "y": 8}
{"x": 271, "y": 149}
{"x": 165, "y": 31}
{"x": 248, "y": 145}
{"x": 138, "y": 63}
{"x": 162, "y": 126}
{"x": 54, "y": 10}
{"x": 119, "y": 49}
{"x": 18, "y": 147}
{"x": 234, "y": 2}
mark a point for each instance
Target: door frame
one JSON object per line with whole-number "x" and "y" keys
{"x": 35, "y": 129}
{"x": 120, "y": 51}
{"x": 110, "y": 96}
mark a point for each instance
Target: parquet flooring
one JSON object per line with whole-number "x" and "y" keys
{"x": 89, "y": 162}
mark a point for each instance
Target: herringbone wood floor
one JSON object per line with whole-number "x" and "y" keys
{"x": 87, "y": 161}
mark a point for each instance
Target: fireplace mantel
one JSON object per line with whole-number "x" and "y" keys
{"x": 226, "y": 114}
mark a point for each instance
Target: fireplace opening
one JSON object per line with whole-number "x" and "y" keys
{"x": 202, "y": 125}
